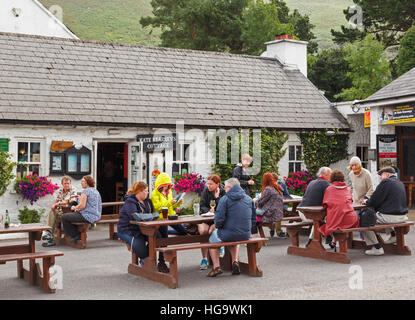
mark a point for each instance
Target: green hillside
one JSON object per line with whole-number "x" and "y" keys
{"x": 324, "y": 14}
{"x": 107, "y": 20}
{"x": 119, "y": 20}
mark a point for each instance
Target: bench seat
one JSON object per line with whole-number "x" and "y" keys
{"x": 34, "y": 275}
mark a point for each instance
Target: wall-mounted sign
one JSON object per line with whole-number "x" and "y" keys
{"x": 387, "y": 147}
{"x": 4, "y": 144}
{"x": 367, "y": 119}
{"x": 157, "y": 143}
{"x": 400, "y": 114}
{"x": 60, "y": 146}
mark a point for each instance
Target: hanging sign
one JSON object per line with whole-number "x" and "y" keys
{"x": 157, "y": 143}
{"x": 4, "y": 144}
{"x": 400, "y": 114}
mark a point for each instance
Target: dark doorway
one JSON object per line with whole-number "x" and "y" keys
{"x": 110, "y": 173}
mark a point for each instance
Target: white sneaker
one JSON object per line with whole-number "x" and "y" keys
{"x": 390, "y": 240}
{"x": 375, "y": 252}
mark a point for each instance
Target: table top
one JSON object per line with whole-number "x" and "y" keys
{"x": 180, "y": 220}
{"x": 320, "y": 208}
{"x": 29, "y": 227}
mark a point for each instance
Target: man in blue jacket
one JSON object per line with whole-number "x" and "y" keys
{"x": 235, "y": 220}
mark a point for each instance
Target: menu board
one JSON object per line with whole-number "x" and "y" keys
{"x": 387, "y": 148}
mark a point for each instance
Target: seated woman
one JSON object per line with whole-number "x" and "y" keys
{"x": 88, "y": 209}
{"x": 212, "y": 192}
{"x": 161, "y": 197}
{"x": 272, "y": 201}
{"x": 338, "y": 201}
{"x": 137, "y": 201}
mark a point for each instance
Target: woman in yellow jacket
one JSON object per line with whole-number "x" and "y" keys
{"x": 162, "y": 197}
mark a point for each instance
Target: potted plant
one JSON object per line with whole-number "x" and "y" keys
{"x": 33, "y": 187}
{"x": 297, "y": 182}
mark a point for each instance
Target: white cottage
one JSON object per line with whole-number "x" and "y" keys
{"x": 82, "y": 107}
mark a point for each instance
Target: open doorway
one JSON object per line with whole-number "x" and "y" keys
{"x": 111, "y": 182}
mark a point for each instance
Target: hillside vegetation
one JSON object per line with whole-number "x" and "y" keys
{"x": 119, "y": 20}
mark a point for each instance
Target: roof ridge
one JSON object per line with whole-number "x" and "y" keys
{"x": 117, "y": 44}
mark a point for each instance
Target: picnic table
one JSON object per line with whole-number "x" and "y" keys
{"x": 169, "y": 246}
{"x": 19, "y": 251}
{"x": 344, "y": 236}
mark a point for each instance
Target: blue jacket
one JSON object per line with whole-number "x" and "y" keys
{"x": 235, "y": 216}
{"x": 130, "y": 206}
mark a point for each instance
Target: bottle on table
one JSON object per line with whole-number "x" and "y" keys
{"x": 7, "y": 220}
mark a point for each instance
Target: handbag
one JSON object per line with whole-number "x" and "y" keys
{"x": 145, "y": 216}
{"x": 367, "y": 218}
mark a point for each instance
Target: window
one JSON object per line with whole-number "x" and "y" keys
{"x": 77, "y": 162}
{"x": 181, "y": 161}
{"x": 362, "y": 153}
{"x": 295, "y": 154}
{"x": 28, "y": 158}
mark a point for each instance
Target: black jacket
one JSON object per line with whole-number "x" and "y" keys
{"x": 207, "y": 196}
{"x": 389, "y": 197}
{"x": 314, "y": 194}
{"x": 238, "y": 173}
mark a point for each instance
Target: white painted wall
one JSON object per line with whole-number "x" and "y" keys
{"x": 31, "y": 17}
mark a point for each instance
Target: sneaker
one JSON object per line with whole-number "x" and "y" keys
{"x": 49, "y": 243}
{"x": 282, "y": 235}
{"x": 162, "y": 267}
{"x": 235, "y": 268}
{"x": 47, "y": 235}
{"x": 375, "y": 252}
{"x": 221, "y": 252}
{"x": 271, "y": 233}
{"x": 203, "y": 264}
{"x": 391, "y": 240}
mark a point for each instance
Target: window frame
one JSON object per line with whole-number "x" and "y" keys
{"x": 42, "y": 158}
{"x": 296, "y": 160}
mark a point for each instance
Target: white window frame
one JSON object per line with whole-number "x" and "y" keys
{"x": 42, "y": 154}
{"x": 180, "y": 161}
{"x": 296, "y": 160}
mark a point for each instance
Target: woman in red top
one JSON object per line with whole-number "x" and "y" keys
{"x": 339, "y": 204}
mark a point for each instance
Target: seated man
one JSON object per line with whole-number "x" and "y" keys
{"x": 389, "y": 202}
{"x": 64, "y": 196}
{"x": 314, "y": 195}
{"x": 235, "y": 220}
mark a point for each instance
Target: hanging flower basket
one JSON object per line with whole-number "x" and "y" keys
{"x": 33, "y": 187}
{"x": 189, "y": 183}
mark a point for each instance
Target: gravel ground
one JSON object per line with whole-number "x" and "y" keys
{"x": 100, "y": 272}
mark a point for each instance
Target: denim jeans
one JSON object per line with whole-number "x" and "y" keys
{"x": 138, "y": 245}
{"x": 178, "y": 229}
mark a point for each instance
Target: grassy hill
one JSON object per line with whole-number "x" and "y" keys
{"x": 119, "y": 20}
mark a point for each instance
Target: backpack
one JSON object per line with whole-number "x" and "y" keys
{"x": 367, "y": 217}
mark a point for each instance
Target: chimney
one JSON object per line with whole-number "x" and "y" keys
{"x": 291, "y": 53}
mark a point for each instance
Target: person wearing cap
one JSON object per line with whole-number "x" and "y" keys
{"x": 389, "y": 202}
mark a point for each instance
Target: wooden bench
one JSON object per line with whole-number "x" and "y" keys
{"x": 294, "y": 230}
{"x": 269, "y": 225}
{"x": 36, "y": 276}
{"x": 345, "y": 238}
{"x": 83, "y": 227}
{"x": 251, "y": 268}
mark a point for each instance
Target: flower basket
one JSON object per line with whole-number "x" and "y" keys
{"x": 33, "y": 187}
{"x": 297, "y": 182}
{"x": 189, "y": 183}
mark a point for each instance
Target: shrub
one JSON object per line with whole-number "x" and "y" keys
{"x": 30, "y": 215}
{"x": 6, "y": 171}
{"x": 297, "y": 182}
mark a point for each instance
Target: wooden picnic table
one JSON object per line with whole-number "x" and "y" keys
{"x": 295, "y": 202}
{"x": 149, "y": 269}
{"x": 345, "y": 237}
{"x": 19, "y": 251}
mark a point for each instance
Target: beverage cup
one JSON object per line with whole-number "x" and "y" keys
{"x": 164, "y": 211}
{"x": 196, "y": 209}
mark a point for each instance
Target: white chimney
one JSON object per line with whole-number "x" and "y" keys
{"x": 291, "y": 53}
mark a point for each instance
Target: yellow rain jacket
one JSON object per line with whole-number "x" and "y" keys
{"x": 159, "y": 200}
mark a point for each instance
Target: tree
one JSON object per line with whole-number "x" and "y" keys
{"x": 370, "y": 70}
{"x": 261, "y": 24}
{"x": 329, "y": 73}
{"x": 388, "y": 20}
{"x": 6, "y": 171}
{"x": 213, "y": 25}
{"x": 406, "y": 58}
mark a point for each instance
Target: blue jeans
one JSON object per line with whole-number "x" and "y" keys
{"x": 138, "y": 245}
{"x": 179, "y": 229}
